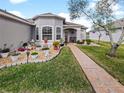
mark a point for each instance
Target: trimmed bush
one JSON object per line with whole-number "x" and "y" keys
{"x": 34, "y": 53}
{"x": 88, "y": 41}
{"x": 83, "y": 41}
{"x": 45, "y": 48}
{"x": 56, "y": 43}
{"x": 5, "y": 50}
{"x": 80, "y": 42}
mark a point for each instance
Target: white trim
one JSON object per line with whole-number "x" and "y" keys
{"x": 38, "y": 33}
{"x": 56, "y": 31}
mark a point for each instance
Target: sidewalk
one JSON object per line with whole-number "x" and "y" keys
{"x": 101, "y": 81}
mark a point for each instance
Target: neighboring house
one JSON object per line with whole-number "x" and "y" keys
{"x": 118, "y": 27}
{"x": 15, "y": 30}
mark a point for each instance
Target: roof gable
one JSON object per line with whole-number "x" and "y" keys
{"x": 48, "y": 15}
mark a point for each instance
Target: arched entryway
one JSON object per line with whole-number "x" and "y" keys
{"x": 70, "y": 35}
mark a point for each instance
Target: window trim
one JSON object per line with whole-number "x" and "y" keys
{"x": 42, "y": 31}
{"x": 59, "y": 34}
{"x": 37, "y": 32}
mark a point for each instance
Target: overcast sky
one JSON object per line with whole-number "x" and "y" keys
{"x": 30, "y": 8}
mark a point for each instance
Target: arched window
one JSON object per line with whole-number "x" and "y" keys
{"x": 47, "y": 33}
{"x": 58, "y": 33}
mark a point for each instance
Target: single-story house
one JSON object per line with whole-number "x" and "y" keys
{"x": 118, "y": 25}
{"x": 15, "y": 30}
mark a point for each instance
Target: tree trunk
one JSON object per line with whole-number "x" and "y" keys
{"x": 99, "y": 39}
{"x": 112, "y": 52}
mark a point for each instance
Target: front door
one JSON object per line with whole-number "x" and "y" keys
{"x": 66, "y": 37}
{"x": 72, "y": 39}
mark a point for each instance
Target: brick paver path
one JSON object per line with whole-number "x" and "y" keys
{"x": 101, "y": 81}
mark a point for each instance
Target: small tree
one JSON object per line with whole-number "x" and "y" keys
{"x": 96, "y": 28}
{"x": 102, "y": 15}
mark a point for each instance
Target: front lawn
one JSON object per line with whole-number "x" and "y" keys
{"x": 115, "y": 66}
{"x": 61, "y": 75}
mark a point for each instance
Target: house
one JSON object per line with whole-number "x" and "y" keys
{"x": 15, "y": 30}
{"x": 118, "y": 26}
{"x": 54, "y": 27}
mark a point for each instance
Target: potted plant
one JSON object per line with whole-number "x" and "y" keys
{"x": 83, "y": 41}
{"x": 46, "y": 51}
{"x": 34, "y": 55}
{"x": 21, "y": 49}
{"x": 45, "y": 40}
{"x": 56, "y": 45}
{"x": 88, "y": 41}
{"x": 38, "y": 47}
{"x": 14, "y": 56}
{"x": 25, "y": 45}
{"x": 5, "y": 51}
{"x": 61, "y": 42}
{"x": 78, "y": 41}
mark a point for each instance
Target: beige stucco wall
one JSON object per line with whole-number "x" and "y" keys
{"x": 12, "y": 32}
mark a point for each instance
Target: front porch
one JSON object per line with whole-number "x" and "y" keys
{"x": 70, "y": 35}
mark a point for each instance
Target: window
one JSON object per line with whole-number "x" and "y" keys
{"x": 58, "y": 33}
{"x": 47, "y": 33}
{"x": 37, "y": 33}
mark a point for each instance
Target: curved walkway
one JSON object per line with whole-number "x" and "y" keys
{"x": 101, "y": 81}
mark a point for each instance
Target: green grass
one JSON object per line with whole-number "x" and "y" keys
{"x": 115, "y": 66}
{"x": 63, "y": 74}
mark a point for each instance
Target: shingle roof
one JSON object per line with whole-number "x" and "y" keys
{"x": 74, "y": 24}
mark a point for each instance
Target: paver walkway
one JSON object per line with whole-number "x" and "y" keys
{"x": 101, "y": 81}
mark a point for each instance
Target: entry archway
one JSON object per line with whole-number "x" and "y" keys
{"x": 70, "y": 35}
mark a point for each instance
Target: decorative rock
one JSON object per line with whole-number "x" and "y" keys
{"x": 13, "y": 64}
{"x": 36, "y": 62}
{"x": 8, "y": 65}
{"x": 18, "y": 63}
{"x": 2, "y": 66}
{"x": 7, "y": 62}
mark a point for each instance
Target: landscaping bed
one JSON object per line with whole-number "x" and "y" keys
{"x": 115, "y": 66}
{"x": 60, "y": 75}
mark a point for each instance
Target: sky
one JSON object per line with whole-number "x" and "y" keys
{"x": 30, "y": 8}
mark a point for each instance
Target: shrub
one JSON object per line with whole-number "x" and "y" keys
{"x": 21, "y": 49}
{"x": 5, "y": 50}
{"x": 25, "y": 44}
{"x": 56, "y": 43}
{"x": 45, "y": 48}
{"x": 88, "y": 41}
{"x": 78, "y": 42}
{"x": 83, "y": 41}
{"x": 61, "y": 40}
{"x": 34, "y": 53}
